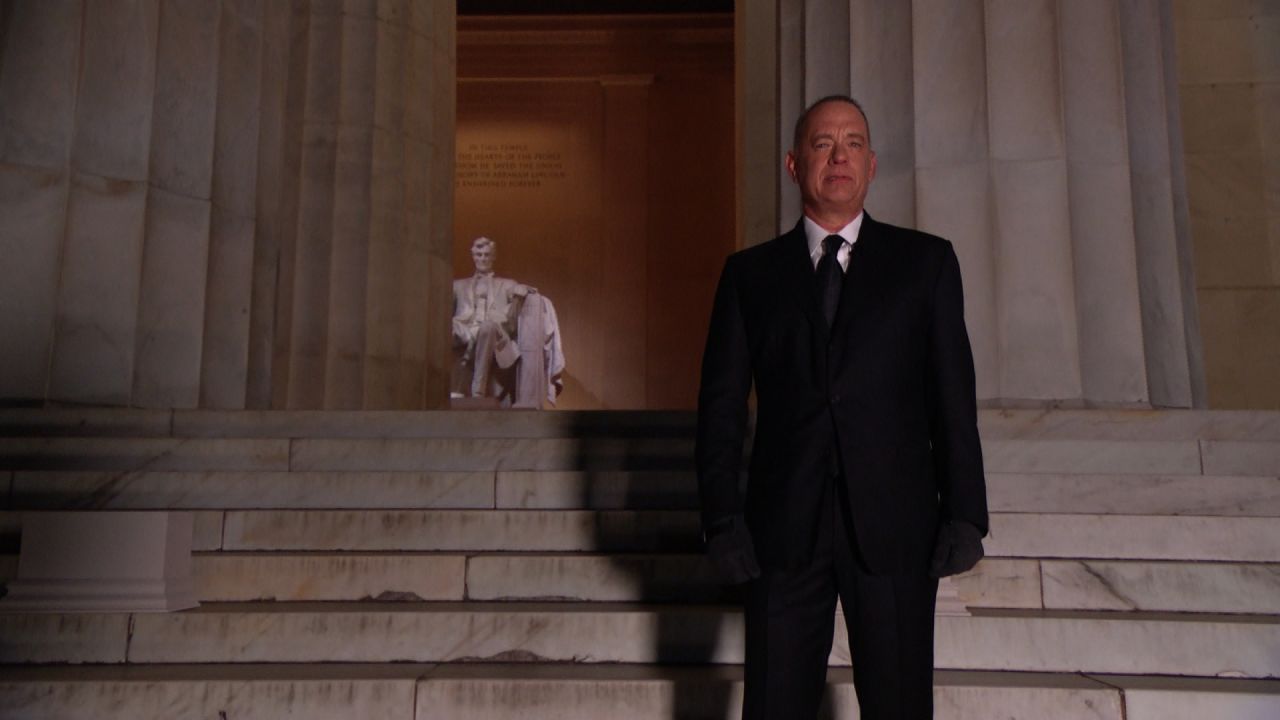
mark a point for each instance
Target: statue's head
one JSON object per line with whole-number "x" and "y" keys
{"x": 483, "y": 252}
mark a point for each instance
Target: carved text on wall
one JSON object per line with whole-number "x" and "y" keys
{"x": 507, "y": 165}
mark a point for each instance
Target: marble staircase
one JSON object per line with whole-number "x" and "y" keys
{"x": 546, "y": 565}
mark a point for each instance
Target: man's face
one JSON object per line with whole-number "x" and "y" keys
{"x": 482, "y": 256}
{"x": 833, "y": 164}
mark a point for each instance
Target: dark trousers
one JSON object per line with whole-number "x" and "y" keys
{"x": 790, "y": 619}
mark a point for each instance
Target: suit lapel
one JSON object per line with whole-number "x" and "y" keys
{"x": 861, "y": 277}
{"x": 797, "y": 268}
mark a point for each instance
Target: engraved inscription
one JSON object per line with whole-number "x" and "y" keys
{"x": 507, "y": 165}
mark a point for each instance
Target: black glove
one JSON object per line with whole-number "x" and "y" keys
{"x": 731, "y": 550}
{"x": 958, "y": 549}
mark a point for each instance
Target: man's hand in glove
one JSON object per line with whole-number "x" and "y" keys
{"x": 731, "y": 550}
{"x": 958, "y": 549}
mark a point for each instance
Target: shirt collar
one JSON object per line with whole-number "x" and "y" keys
{"x": 815, "y": 234}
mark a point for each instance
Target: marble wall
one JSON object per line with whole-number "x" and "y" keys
{"x": 226, "y": 204}
{"x": 1041, "y": 138}
{"x": 1229, "y": 85}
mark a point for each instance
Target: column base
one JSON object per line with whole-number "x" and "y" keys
{"x": 103, "y": 561}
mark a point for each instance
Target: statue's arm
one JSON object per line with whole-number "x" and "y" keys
{"x": 461, "y": 317}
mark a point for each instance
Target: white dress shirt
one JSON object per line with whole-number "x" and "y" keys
{"x": 815, "y": 234}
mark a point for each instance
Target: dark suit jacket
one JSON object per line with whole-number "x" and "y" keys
{"x": 887, "y": 394}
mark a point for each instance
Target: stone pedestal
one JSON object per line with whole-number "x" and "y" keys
{"x": 103, "y": 562}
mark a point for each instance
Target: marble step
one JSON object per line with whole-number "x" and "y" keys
{"x": 1030, "y": 535}
{"x": 346, "y": 423}
{"x": 1013, "y": 535}
{"x": 1002, "y": 423}
{"x": 521, "y": 489}
{"x": 579, "y": 692}
{"x": 516, "y": 692}
{"x": 1074, "y": 456}
{"x": 1244, "y": 588}
{"x": 1026, "y": 640}
{"x": 135, "y": 454}
{"x": 995, "y": 583}
{"x": 131, "y": 454}
{"x": 204, "y": 692}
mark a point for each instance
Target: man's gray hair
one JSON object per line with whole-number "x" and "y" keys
{"x": 804, "y": 117}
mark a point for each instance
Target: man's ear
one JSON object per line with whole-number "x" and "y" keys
{"x": 791, "y": 166}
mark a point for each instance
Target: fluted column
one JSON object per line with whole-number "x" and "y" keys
{"x": 1170, "y": 324}
{"x": 881, "y": 66}
{"x": 370, "y": 267}
{"x": 176, "y": 250}
{"x": 100, "y": 264}
{"x": 1037, "y": 136}
{"x": 1099, "y": 183}
{"x": 953, "y": 193}
{"x": 1035, "y": 299}
{"x": 227, "y": 204}
{"x": 233, "y": 224}
{"x": 39, "y": 73}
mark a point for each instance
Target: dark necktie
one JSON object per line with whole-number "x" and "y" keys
{"x": 830, "y": 277}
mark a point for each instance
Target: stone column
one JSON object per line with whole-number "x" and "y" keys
{"x": 1112, "y": 365}
{"x": 226, "y": 204}
{"x": 757, "y": 122}
{"x": 1036, "y": 135}
{"x": 1035, "y": 300}
{"x": 95, "y": 329}
{"x": 881, "y": 67}
{"x": 1170, "y": 324}
{"x": 39, "y": 74}
{"x": 233, "y": 227}
{"x": 369, "y": 275}
{"x": 175, "y": 259}
{"x": 953, "y": 194}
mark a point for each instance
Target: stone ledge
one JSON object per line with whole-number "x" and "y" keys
{"x": 133, "y": 454}
{"x": 123, "y": 422}
{"x": 1134, "y": 537}
{"x": 994, "y": 423}
{"x": 420, "y": 530}
{"x": 1134, "y": 494}
{"x": 1013, "y": 535}
{"x": 232, "y": 577}
{"x": 167, "y": 490}
{"x": 428, "y": 424}
{"x": 1243, "y": 588}
{"x": 1232, "y": 539}
{"x": 492, "y": 454}
{"x": 597, "y": 454}
{"x": 58, "y": 638}
{"x": 577, "y": 692}
{"x": 247, "y": 696}
{"x": 1037, "y": 641}
{"x": 1051, "y": 493}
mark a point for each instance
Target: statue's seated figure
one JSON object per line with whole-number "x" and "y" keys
{"x": 506, "y": 338}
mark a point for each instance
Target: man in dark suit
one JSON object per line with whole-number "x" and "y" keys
{"x": 865, "y": 479}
